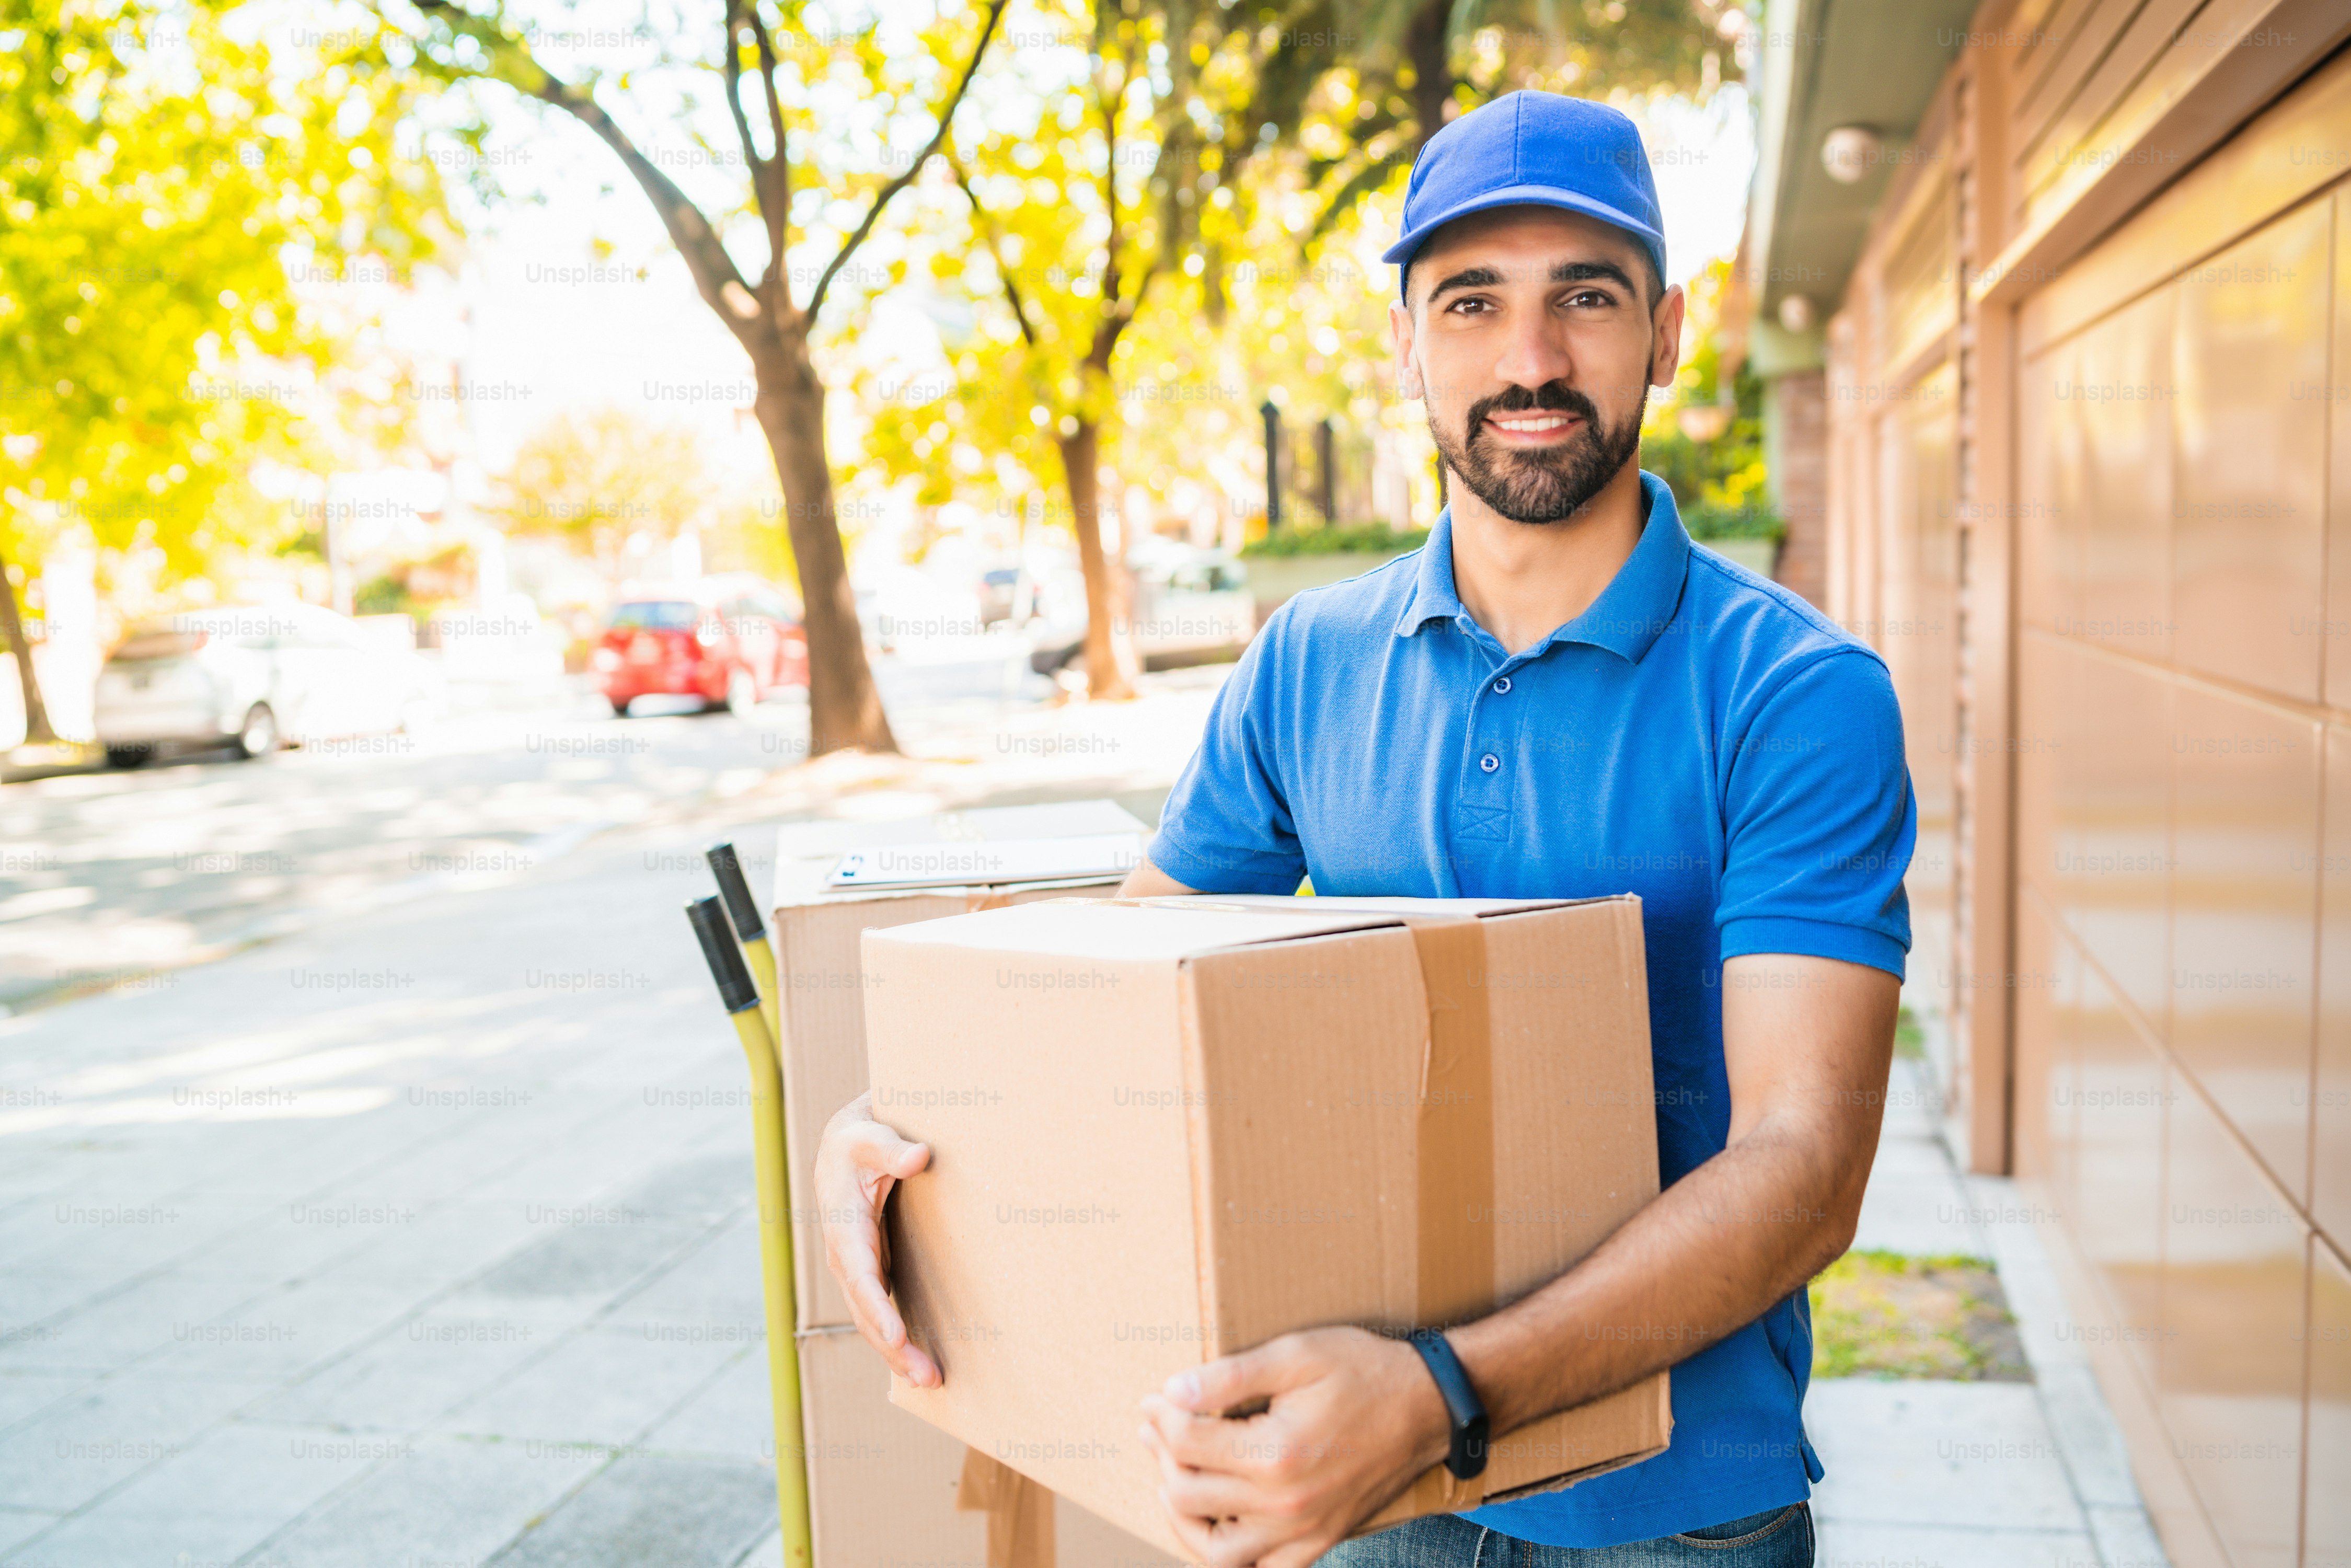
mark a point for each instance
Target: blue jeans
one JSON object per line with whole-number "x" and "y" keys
{"x": 1776, "y": 1538}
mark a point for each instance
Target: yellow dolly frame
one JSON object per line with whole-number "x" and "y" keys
{"x": 745, "y": 976}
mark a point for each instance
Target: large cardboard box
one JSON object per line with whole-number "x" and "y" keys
{"x": 1168, "y": 1129}
{"x": 886, "y": 1490}
{"x": 889, "y": 1490}
{"x": 820, "y": 979}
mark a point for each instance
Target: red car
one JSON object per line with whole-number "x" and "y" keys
{"x": 730, "y": 642}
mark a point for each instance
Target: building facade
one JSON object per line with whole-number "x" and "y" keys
{"x": 2064, "y": 399}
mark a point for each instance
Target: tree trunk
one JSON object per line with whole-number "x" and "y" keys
{"x": 1428, "y": 45}
{"x": 1106, "y": 641}
{"x": 844, "y": 709}
{"x": 36, "y": 714}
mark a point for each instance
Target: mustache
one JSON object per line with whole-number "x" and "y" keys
{"x": 1551, "y": 397}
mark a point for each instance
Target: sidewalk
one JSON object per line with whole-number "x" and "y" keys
{"x": 1929, "y": 1474}
{"x": 420, "y": 1232}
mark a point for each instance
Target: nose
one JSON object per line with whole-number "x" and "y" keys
{"x": 1535, "y": 353}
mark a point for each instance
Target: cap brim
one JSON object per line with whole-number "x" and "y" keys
{"x": 1528, "y": 196}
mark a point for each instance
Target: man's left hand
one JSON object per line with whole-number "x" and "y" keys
{"x": 1350, "y": 1420}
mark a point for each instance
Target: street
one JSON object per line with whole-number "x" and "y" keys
{"x": 107, "y": 879}
{"x": 413, "y": 1227}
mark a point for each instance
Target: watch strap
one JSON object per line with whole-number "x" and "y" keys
{"x": 1467, "y": 1411}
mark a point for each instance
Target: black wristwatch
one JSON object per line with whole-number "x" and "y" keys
{"x": 1461, "y": 1402}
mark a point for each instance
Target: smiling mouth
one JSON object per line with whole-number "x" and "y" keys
{"x": 1539, "y": 421}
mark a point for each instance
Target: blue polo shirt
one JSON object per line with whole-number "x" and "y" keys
{"x": 1700, "y": 736}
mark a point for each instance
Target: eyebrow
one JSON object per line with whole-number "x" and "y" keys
{"x": 1469, "y": 277}
{"x": 1561, "y": 272}
{"x": 1595, "y": 272}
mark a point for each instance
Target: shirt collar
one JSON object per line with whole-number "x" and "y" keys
{"x": 1631, "y": 611}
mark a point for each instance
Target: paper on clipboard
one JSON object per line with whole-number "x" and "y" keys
{"x": 971, "y": 862}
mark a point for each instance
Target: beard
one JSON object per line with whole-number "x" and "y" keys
{"x": 1544, "y": 483}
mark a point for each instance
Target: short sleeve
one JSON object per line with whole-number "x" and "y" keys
{"x": 1820, "y": 820}
{"x": 1226, "y": 826}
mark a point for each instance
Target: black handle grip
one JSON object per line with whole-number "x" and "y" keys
{"x": 733, "y": 976}
{"x": 728, "y": 867}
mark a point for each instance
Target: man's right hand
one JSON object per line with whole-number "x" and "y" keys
{"x": 858, "y": 1161}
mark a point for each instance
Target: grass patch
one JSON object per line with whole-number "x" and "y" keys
{"x": 1340, "y": 538}
{"x": 1882, "y": 1314}
{"x": 1909, "y": 1040}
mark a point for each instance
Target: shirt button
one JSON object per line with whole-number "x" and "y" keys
{"x": 1489, "y": 762}
{"x": 1503, "y": 686}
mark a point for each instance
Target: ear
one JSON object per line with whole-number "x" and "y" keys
{"x": 1400, "y": 342}
{"x": 1665, "y": 340}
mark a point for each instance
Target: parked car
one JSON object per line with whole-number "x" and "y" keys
{"x": 729, "y": 640}
{"x": 1009, "y": 594}
{"x": 254, "y": 678}
{"x": 1191, "y": 607}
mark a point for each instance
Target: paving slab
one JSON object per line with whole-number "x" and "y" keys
{"x": 217, "y": 1499}
{"x": 19, "y": 1529}
{"x": 127, "y": 1325}
{"x": 656, "y": 1510}
{"x": 716, "y": 1287}
{"x": 449, "y": 1500}
{"x": 1914, "y": 1203}
{"x": 1845, "y": 1545}
{"x": 1962, "y": 1455}
{"x": 604, "y": 1386}
{"x": 76, "y": 1450}
{"x": 732, "y": 1417}
{"x": 25, "y": 1394}
{"x": 422, "y": 1368}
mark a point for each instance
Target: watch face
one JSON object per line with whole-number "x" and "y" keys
{"x": 1472, "y": 1445}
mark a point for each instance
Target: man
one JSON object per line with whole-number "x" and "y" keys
{"x": 1557, "y": 695}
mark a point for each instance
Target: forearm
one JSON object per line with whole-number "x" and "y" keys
{"x": 1701, "y": 1261}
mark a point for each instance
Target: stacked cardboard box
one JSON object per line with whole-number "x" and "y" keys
{"x": 1164, "y": 1130}
{"x": 887, "y": 1490}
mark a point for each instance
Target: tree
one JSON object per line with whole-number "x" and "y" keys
{"x": 596, "y": 478}
{"x": 1705, "y": 437}
{"x": 1073, "y": 254}
{"x": 1347, "y": 94}
{"x": 156, "y": 170}
{"x": 774, "y": 326}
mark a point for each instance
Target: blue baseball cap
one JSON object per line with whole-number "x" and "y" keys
{"x": 1533, "y": 149}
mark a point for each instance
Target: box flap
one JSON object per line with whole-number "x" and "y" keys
{"x": 1134, "y": 930}
{"x": 1479, "y": 908}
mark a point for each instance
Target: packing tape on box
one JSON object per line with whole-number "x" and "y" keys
{"x": 1455, "y": 1255}
{"x": 1019, "y": 1511}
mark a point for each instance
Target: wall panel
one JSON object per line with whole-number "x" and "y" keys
{"x": 2330, "y": 1185}
{"x": 2122, "y": 1092}
{"x": 2122, "y": 398}
{"x": 2326, "y": 1520}
{"x": 2243, "y": 908}
{"x": 2246, "y": 563}
{"x": 2111, "y": 881}
{"x": 2233, "y": 1299}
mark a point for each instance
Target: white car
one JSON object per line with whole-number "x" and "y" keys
{"x": 254, "y": 678}
{"x": 1191, "y": 606}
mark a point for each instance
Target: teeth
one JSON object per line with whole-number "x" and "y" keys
{"x": 1535, "y": 422}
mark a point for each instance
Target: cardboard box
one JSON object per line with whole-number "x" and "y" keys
{"x": 821, "y": 983}
{"x": 886, "y": 1489}
{"x": 1168, "y": 1129}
